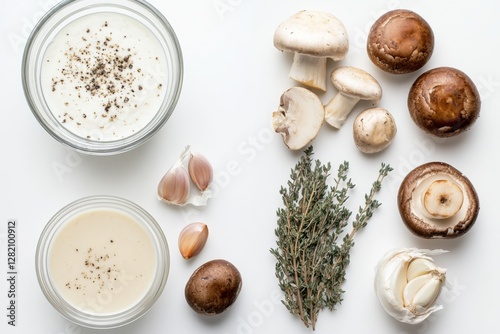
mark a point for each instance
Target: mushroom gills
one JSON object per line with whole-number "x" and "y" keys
{"x": 435, "y": 200}
{"x": 299, "y": 117}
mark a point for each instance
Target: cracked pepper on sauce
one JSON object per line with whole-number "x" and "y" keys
{"x": 102, "y": 261}
{"x": 104, "y": 76}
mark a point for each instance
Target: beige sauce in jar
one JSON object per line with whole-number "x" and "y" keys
{"x": 102, "y": 261}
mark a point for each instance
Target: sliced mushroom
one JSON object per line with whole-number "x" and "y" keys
{"x": 436, "y": 200}
{"x": 299, "y": 117}
{"x": 400, "y": 42}
{"x": 444, "y": 102}
{"x": 373, "y": 130}
{"x": 312, "y": 36}
{"x": 353, "y": 84}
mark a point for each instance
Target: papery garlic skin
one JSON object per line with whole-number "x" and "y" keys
{"x": 407, "y": 284}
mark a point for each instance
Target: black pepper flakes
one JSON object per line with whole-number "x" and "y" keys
{"x": 103, "y": 73}
{"x": 100, "y": 67}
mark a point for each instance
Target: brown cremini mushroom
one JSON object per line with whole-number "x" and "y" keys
{"x": 444, "y": 102}
{"x": 437, "y": 201}
{"x": 213, "y": 287}
{"x": 400, "y": 42}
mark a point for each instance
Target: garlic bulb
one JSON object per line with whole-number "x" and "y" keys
{"x": 408, "y": 282}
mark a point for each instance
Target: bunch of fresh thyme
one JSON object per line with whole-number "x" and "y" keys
{"x": 311, "y": 262}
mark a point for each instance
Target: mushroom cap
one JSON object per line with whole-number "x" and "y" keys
{"x": 444, "y": 102}
{"x": 355, "y": 82}
{"x": 299, "y": 117}
{"x": 313, "y": 33}
{"x": 213, "y": 287}
{"x": 373, "y": 130}
{"x": 400, "y": 42}
{"x": 411, "y": 209}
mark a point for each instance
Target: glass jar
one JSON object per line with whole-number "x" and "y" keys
{"x": 87, "y": 264}
{"x": 52, "y": 117}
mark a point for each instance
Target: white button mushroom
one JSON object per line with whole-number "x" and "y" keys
{"x": 373, "y": 130}
{"x": 313, "y": 37}
{"x": 299, "y": 117}
{"x": 353, "y": 84}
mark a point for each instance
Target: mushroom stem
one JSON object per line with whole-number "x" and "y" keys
{"x": 309, "y": 70}
{"x": 442, "y": 199}
{"x": 339, "y": 107}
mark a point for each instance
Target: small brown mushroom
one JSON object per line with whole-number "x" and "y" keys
{"x": 213, "y": 287}
{"x": 400, "y": 42}
{"x": 444, "y": 102}
{"x": 437, "y": 201}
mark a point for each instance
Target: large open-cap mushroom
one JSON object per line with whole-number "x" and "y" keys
{"x": 312, "y": 36}
{"x": 299, "y": 117}
{"x": 400, "y": 42}
{"x": 353, "y": 84}
{"x": 444, "y": 102}
{"x": 436, "y": 200}
{"x": 373, "y": 130}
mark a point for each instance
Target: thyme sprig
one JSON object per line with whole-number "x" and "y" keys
{"x": 311, "y": 261}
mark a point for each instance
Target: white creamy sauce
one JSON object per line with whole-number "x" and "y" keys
{"x": 103, "y": 76}
{"x": 102, "y": 262}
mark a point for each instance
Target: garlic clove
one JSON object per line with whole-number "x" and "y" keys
{"x": 192, "y": 239}
{"x": 200, "y": 171}
{"x": 390, "y": 282}
{"x": 443, "y": 199}
{"x": 413, "y": 287}
{"x": 399, "y": 280}
{"x": 427, "y": 294}
{"x": 173, "y": 187}
{"x": 418, "y": 267}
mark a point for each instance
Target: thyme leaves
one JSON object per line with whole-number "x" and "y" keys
{"x": 311, "y": 260}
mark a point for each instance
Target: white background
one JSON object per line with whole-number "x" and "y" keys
{"x": 233, "y": 80}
